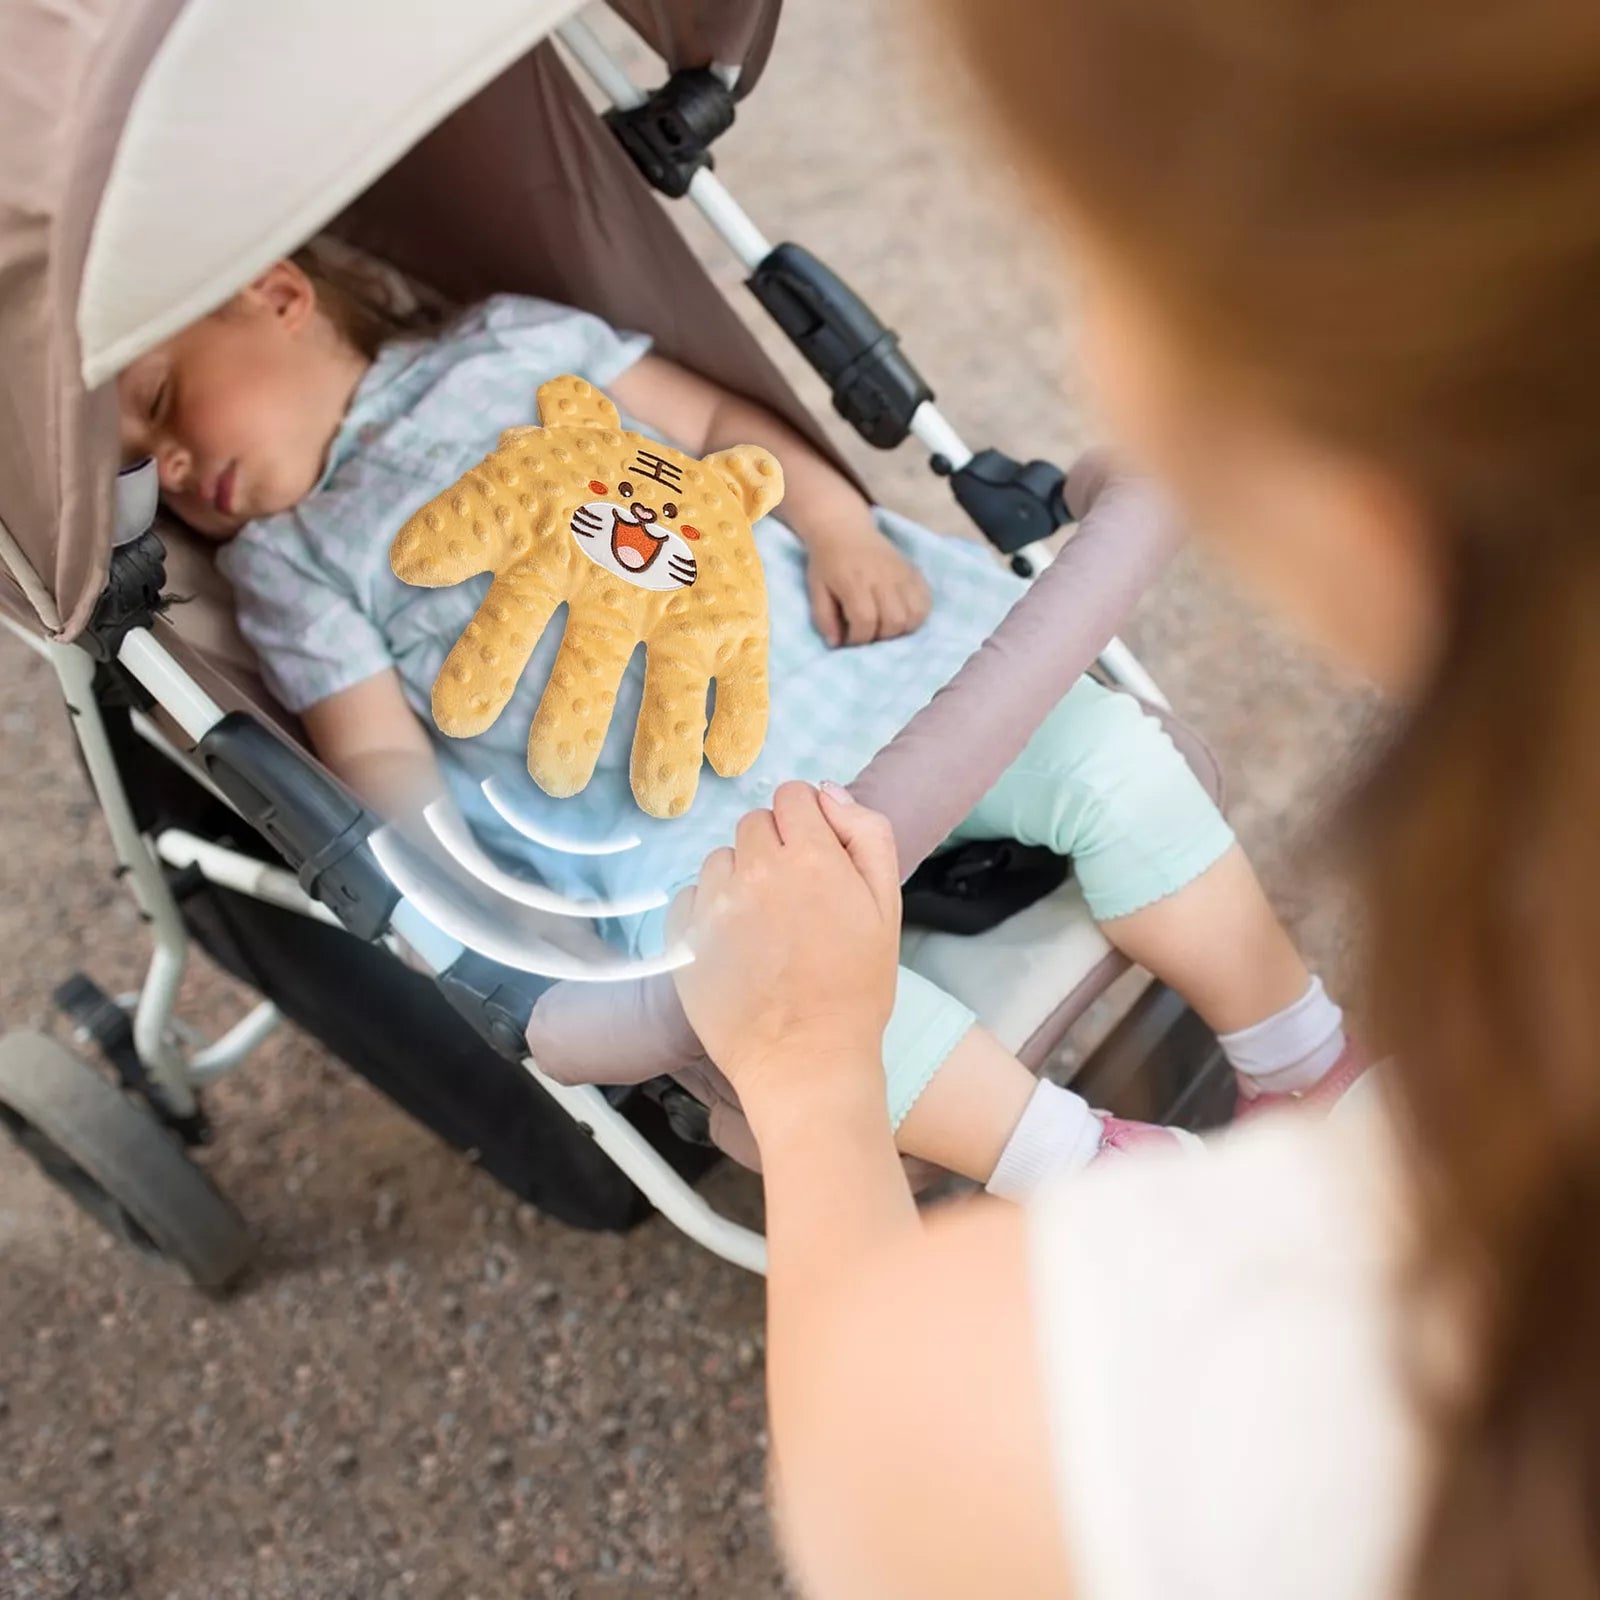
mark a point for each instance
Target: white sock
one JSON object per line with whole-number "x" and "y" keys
{"x": 1290, "y": 1052}
{"x": 1057, "y": 1132}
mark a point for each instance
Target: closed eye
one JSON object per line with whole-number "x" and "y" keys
{"x": 158, "y": 400}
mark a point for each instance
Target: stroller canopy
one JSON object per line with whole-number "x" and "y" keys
{"x": 155, "y": 155}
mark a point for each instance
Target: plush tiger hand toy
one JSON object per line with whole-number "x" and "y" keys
{"x": 642, "y": 543}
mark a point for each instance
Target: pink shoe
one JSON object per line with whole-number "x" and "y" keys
{"x": 1319, "y": 1099}
{"x": 1119, "y": 1138}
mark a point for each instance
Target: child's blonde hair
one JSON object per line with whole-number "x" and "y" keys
{"x": 368, "y": 302}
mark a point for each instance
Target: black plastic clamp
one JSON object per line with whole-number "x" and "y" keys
{"x": 132, "y": 595}
{"x": 976, "y": 886}
{"x": 496, "y": 1000}
{"x": 689, "y": 1118}
{"x": 875, "y": 387}
{"x": 669, "y": 135}
{"x": 321, "y": 831}
{"x": 306, "y": 816}
{"x": 1014, "y": 503}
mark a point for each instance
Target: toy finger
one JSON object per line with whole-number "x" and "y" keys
{"x": 669, "y": 743}
{"x": 481, "y": 671}
{"x": 473, "y": 527}
{"x": 739, "y": 718}
{"x": 570, "y": 401}
{"x": 574, "y": 712}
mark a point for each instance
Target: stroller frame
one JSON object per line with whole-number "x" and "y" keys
{"x": 177, "y": 1066}
{"x": 176, "y": 1060}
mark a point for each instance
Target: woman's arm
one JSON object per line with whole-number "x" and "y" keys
{"x": 906, "y": 1403}
{"x": 912, "y": 1455}
{"x": 862, "y": 588}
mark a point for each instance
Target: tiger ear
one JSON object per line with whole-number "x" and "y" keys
{"x": 571, "y": 403}
{"x": 754, "y": 475}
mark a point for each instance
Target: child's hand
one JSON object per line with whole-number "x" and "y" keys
{"x": 862, "y": 588}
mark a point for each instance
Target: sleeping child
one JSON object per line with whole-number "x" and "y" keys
{"x": 295, "y": 428}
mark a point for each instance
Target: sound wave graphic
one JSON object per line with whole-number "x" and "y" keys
{"x": 518, "y": 930}
{"x": 495, "y": 794}
{"x": 450, "y": 829}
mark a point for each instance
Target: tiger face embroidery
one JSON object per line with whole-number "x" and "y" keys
{"x": 641, "y": 543}
{"x": 642, "y": 540}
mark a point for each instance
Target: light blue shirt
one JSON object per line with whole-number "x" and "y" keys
{"x": 319, "y": 603}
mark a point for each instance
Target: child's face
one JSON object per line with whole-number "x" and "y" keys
{"x": 239, "y": 409}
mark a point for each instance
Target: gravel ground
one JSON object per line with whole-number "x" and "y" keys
{"x": 422, "y": 1389}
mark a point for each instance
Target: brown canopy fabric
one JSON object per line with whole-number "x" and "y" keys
{"x": 690, "y": 33}
{"x": 522, "y": 189}
{"x": 68, "y": 70}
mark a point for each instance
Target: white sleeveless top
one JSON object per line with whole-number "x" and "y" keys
{"x": 1229, "y": 1415}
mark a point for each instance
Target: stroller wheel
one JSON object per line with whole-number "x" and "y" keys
{"x": 116, "y": 1162}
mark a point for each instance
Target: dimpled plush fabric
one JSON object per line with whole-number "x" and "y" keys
{"x": 643, "y": 544}
{"x": 318, "y": 599}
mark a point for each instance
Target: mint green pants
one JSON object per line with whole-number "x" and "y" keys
{"x": 1101, "y": 782}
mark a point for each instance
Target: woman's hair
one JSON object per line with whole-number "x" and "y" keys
{"x": 1384, "y": 217}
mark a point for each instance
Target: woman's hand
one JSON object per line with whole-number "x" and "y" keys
{"x": 795, "y": 933}
{"x": 862, "y": 588}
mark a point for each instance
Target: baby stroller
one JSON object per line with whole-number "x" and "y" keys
{"x": 118, "y": 225}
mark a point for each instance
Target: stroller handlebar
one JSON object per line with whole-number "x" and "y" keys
{"x": 933, "y": 772}
{"x": 942, "y": 763}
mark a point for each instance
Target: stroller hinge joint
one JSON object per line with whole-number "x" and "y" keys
{"x": 1014, "y": 503}
{"x": 131, "y": 598}
{"x": 875, "y": 387}
{"x": 494, "y": 999}
{"x": 669, "y": 134}
{"x": 311, "y": 821}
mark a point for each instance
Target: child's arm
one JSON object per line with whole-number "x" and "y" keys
{"x": 369, "y": 736}
{"x": 862, "y": 588}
